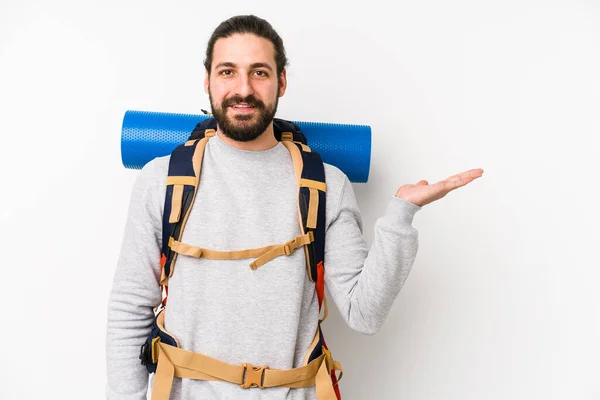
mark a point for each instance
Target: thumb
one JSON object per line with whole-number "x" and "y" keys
{"x": 422, "y": 183}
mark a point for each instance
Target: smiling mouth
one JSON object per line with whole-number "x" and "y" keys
{"x": 242, "y": 107}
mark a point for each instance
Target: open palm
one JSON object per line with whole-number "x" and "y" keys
{"x": 423, "y": 193}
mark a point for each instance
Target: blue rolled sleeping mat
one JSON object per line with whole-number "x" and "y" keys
{"x": 146, "y": 135}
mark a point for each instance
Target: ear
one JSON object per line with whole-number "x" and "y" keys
{"x": 282, "y": 83}
{"x": 206, "y": 82}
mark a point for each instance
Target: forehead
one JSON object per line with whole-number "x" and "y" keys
{"x": 243, "y": 50}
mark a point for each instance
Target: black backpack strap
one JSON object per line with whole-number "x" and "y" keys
{"x": 312, "y": 192}
{"x": 281, "y": 127}
{"x": 201, "y": 127}
{"x": 182, "y": 183}
{"x": 312, "y": 189}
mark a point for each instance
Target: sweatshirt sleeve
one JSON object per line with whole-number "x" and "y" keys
{"x": 364, "y": 282}
{"x": 135, "y": 290}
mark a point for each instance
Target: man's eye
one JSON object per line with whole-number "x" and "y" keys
{"x": 261, "y": 73}
{"x": 225, "y": 72}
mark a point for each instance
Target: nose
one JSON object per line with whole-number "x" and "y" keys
{"x": 244, "y": 86}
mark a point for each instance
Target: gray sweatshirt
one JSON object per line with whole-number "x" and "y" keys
{"x": 248, "y": 199}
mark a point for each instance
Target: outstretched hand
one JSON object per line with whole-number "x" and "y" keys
{"x": 423, "y": 193}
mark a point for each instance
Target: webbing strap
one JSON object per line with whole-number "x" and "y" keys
{"x": 176, "y": 362}
{"x": 325, "y": 312}
{"x": 262, "y": 254}
{"x": 286, "y": 249}
{"x": 313, "y": 187}
{"x": 181, "y": 180}
{"x": 289, "y": 137}
{"x": 176, "y": 201}
{"x": 298, "y": 165}
{"x": 296, "y": 160}
{"x": 313, "y": 208}
{"x": 176, "y": 180}
{"x": 309, "y": 183}
{"x": 324, "y": 383}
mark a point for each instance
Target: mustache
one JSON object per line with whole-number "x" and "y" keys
{"x": 250, "y": 100}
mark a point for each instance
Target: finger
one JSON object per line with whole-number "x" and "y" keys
{"x": 422, "y": 183}
{"x": 472, "y": 173}
{"x": 459, "y": 180}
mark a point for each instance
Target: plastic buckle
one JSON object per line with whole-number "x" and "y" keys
{"x": 287, "y": 250}
{"x": 253, "y": 376}
{"x": 287, "y": 136}
{"x": 144, "y": 354}
{"x": 149, "y": 351}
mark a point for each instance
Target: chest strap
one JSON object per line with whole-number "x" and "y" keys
{"x": 264, "y": 254}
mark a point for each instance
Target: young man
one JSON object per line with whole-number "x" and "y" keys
{"x": 247, "y": 199}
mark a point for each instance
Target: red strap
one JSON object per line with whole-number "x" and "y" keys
{"x": 334, "y": 380}
{"x": 320, "y": 284}
{"x": 336, "y": 387}
{"x": 163, "y": 260}
{"x": 164, "y": 302}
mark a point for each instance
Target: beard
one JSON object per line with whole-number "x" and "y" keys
{"x": 243, "y": 128}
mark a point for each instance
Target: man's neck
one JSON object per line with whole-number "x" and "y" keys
{"x": 265, "y": 141}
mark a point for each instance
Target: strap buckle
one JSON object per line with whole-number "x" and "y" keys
{"x": 287, "y": 250}
{"x": 149, "y": 351}
{"x": 289, "y": 247}
{"x": 144, "y": 354}
{"x": 253, "y": 377}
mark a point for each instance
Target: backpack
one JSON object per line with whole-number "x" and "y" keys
{"x": 182, "y": 181}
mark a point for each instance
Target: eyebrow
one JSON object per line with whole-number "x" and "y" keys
{"x": 254, "y": 65}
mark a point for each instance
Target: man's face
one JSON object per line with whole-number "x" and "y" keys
{"x": 243, "y": 86}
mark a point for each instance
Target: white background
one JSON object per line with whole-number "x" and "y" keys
{"x": 503, "y": 300}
